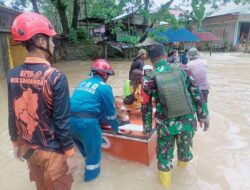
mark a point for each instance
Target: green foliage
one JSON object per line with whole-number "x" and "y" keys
{"x": 117, "y": 28}
{"x": 228, "y": 46}
{"x": 79, "y": 35}
{"x": 129, "y": 39}
{"x": 104, "y": 9}
{"x": 82, "y": 34}
{"x": 198, "y": 7}
{"x": 73, "y": 36}
{"x": 155, "y": 34}
{"x": 61, "y": 3}
{"x": 164, "y": 15}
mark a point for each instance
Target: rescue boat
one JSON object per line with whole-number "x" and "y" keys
{"x": 130, "y": 143}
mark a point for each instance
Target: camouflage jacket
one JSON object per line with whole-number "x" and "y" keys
{"x": 173, "y": 125}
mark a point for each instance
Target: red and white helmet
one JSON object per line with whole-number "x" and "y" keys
{"x": 26, "y": 25}
{"x": 102, "y": 67}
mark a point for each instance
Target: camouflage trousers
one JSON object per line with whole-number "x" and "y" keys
{"x": 165, "y": 148}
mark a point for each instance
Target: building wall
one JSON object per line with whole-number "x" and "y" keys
{"x": 17, "y": 53}
{"x": 244, "y": 18}
{"x": 224, "y": 26}
{"x": 7, "y": 16}
{"x": 4, "y": 56}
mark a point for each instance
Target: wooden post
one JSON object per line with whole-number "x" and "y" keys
{"x": 246, "y": 43}
{"x": 210, "y": 48}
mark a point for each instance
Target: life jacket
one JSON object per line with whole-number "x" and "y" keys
{"x": 173, "y": 94}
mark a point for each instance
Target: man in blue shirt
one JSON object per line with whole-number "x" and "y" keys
{"x": 91, "y": 100}
{"x": 184, "y": 57}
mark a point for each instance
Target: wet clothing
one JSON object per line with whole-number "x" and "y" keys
{"x": 39, "y": 114}
{"x": 205, "y": 94}
{"x": 88, "y": 139}
{"x": 49, "y": 171}
{"x": 138, "y": 63}
{"x": 177, "y": 128}
{"x": 39, "y": 106}
{"x": 128, "y": 90}
{"x": 198, "y": 68}
{"x": 91, "y": 101}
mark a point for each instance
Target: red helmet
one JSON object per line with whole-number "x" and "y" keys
{"x": 26, "y": 25}
{"x": 102, "y": 67}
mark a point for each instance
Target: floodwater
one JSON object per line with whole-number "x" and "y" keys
{"x": 221, "y": 155}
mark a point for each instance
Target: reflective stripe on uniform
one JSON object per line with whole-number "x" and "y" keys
{"x": 112, "y": 117}
{"x": 92, "y": 167}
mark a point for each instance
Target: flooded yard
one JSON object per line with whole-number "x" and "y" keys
{"x": 221, "y": 155}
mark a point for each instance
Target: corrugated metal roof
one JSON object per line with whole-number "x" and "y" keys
{"x": 148, "y": 42}
{"x": 206, "y": 36}
{"x": 175, "y": 35}
{"x": 232, "y": 9}
{"x": 127, "y": 14}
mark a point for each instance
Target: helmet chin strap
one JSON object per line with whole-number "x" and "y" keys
{"x": 47, "y": 49}
{"x": 105, "y": 77}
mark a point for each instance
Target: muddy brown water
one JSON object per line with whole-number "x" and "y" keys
{"x": 221, "y": 155}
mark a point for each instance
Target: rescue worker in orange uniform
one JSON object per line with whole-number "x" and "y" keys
{"x": 39, "y": 107}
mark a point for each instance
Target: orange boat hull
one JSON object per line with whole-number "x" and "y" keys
{"x": 130, "y": 145}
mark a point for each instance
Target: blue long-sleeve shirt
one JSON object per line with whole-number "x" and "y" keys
{"x": 184, "y": 58}
{"x": 95, "y": 97}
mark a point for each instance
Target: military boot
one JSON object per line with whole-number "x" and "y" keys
{"x": 182, "y": 164}
{"x": 165, "y": 178}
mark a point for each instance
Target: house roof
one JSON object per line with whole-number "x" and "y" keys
{"x": 7, "y": 15}
{"x": 92, "y": 20}
{"x": 175, "y": 35}
{"x": 206, "y": 36}
{"x": 127, "y": 13}
{"x": 148, "y": 42}
{"x": 232, "y": 9}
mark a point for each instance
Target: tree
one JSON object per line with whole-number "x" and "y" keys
{"x": 198, "y": 12}
{"x": 162, "y": 15}
{"x": 104, "y": 9}
{"x": 16, "y": 5}
{"x": 24, "y": 4}
{"x": 2, "y": 2}
{"x": 35, "y": 6}
{"x": 76, "y": 11}
{"x": 61, "y": 6}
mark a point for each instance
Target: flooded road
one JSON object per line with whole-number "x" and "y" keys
{"x": 221, "y": 155}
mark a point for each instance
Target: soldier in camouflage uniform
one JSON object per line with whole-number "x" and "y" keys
{"x": 180, "y": 129}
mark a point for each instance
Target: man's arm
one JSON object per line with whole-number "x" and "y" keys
{"x": 61, "y": 113}
{"x": 109, "y": 106}
{"x": 148, "y": 87}
{"x": 11, "y": 119}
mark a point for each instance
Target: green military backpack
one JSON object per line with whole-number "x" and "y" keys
{"x": 173, "y": 93}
